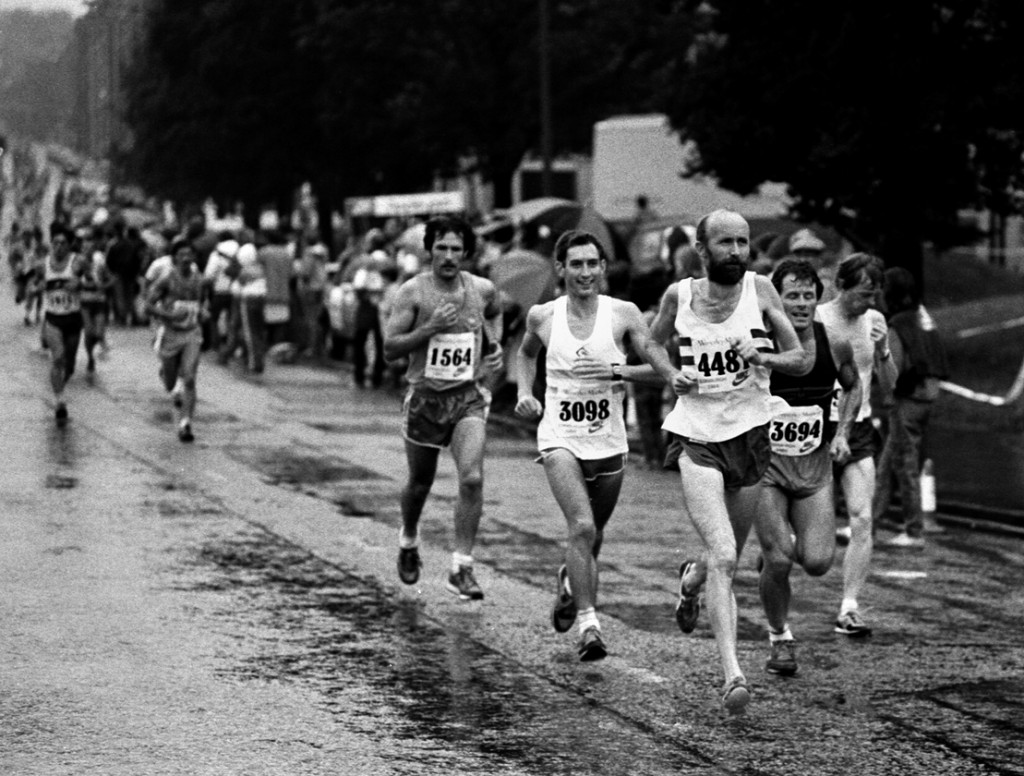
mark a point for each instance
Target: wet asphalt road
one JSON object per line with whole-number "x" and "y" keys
{"x": 232, "y": 607}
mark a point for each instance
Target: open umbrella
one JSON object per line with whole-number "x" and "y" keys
{"x": 411, "y": 240}
{"x": 561, "y": 215}
{"x": 526, "y": 277}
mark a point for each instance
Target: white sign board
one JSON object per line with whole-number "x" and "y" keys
{"x": 408, "y": 204}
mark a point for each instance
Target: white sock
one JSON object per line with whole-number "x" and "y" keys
{"x": 461, "y": 561}
{"x": 587, "y": 618}
{"x": 848, "y": 605}
{"x": 405, "y": 542}
{"x": 786, "y": 635}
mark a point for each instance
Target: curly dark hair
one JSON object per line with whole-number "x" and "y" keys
{"x": 442, "y": 225}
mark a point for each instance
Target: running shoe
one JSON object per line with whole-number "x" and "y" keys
{"x": 61, "y": 413}
{"x": 563, "y": 614}
{"x": 463, "y": 584}
{"x": 850, "y": 624}
{"x": 843, "y": 536}
{"x": 409, "y": 565}
{"x": 782, "y": 660}
{"x": 176, "y": 398}
{"x": 688, "y": 608}
{"x": 185, "y": 432}
{"x": 591, "y": 645}
{"x": 903, "y": 539}
{"x": 736, "y": 696}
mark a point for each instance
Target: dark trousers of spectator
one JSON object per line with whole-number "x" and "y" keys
{"x": 901, "y": 459}
{"x": 368, "y": 325}
{"x": 220, "y": 316}
{"x": 125, "y": 290}
{"x": 254, "y": 332}
{"x": 310, "y": 306}
{"x": 649, "y": 403}
{"x": 233, "y": 339}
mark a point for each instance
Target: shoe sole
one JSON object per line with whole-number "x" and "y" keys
{"x": 463, "y": 596}
{"x": 594, "y": 651}
{"x": 411, "y": 577}
{"x": 781, "y": 671}
{"x": 853, "y": 634}
{"x": 688, "y": 608}
{"x": 736, "y": 700}
{"x": 561, "y": 620}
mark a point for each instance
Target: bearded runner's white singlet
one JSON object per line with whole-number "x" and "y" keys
{"x": 731, "y": 396}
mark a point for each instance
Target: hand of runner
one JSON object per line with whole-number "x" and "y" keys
{"x": 587, "y": 367}
{"x": 445, "y": 316}
{"x": 879, "y": 333}
{"x": 840, "y": 448}
{"x": 684, "y": 381}
{"x": 746, "y": 350}
{"x": 529, "y": 407}
{"x": 494, "y": 359}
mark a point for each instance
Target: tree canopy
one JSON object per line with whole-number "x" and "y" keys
{"x": 880, "y": 116}
{"x": 885, "y": 119}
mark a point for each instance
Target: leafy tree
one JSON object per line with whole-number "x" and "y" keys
{"x": 877, "y": 114}
{"x": 220, "y": 102}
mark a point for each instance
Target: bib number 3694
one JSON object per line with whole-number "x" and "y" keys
{"x": 797, "y": 431}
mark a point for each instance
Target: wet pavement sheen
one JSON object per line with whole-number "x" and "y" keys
{"x": 232, "y": 607}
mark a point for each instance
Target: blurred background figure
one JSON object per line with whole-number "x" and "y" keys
{"x": 921, "y": 363}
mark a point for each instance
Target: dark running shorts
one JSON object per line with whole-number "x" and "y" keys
{"x": 742, "y": 460}
{"x": 864, "y": 442}
{"x": 69, "y": 325}
{"x": 430, "y": 418}
{"x": 800, "y": 476}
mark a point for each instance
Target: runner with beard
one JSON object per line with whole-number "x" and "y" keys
{"x": 718, "y": 430}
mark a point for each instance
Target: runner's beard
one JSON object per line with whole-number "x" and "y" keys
{"x": 728, "y": 273}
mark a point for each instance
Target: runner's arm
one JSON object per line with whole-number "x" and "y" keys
{"x": 886, "y": 363}
{"x": 401, "y": 338}
{"x": 527, "y": 405}
{"x": 493, "y": 322}
{"x": 849, "y": 400}
{"x": 640, "y": 334}
{"x": 791, "y": 358}
{"x": 653, "y": 348}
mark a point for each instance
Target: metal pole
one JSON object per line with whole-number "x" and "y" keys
{"x": 545, "y": 101}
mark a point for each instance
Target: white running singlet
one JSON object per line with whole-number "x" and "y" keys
{"x": 584, "y": 417}
{"x": 732, "y": 396}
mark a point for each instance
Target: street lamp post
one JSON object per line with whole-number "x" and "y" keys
{"x": 545, "y": 100}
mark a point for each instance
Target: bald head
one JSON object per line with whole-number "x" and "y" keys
{"x": 719, "y": 219}
{"x": 723, "y": 241}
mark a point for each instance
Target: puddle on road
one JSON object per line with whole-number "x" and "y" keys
{"x": 60, "y": 481}
{"x": 285, "y": 466}
{"x": 388, "y": 672}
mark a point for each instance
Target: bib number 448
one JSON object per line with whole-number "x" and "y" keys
{"x": 720, "y": 363}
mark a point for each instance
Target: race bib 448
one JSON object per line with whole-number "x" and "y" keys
{"x": 719, "y": 367}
